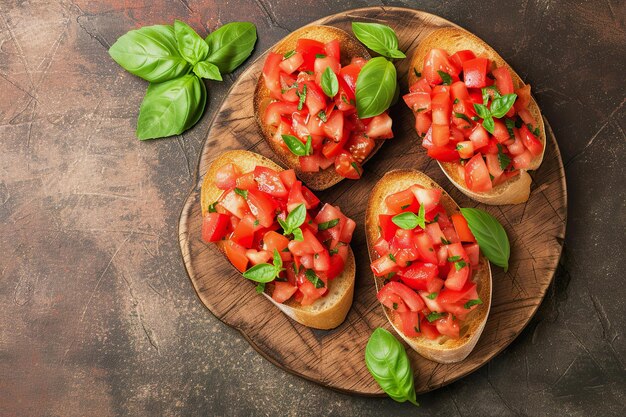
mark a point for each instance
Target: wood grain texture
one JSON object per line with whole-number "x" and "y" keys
{"x": 335, "y": 358}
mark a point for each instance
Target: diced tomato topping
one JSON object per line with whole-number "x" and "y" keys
{"x": 427, "y": 197}
{"x": 269, "y": 182}
{"x": 214, "y": 226}
{"x": 236, "y": 254}
{"x": 475, "y": 73}
{"x": 283, "y": 291}
{"x": 408, "y": 296}
{"x": 477, "y": 175}
{"x": 437, "y": 60}
{"x": 530, "y": 141}
{"x": 462, "y": 229}
{"x": 504, "y": 82}
{"x": 347, "y": 166}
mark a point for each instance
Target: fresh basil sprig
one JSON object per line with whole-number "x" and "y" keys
{"x": 329, "y": 82}
{"x": 379, "y": 38}
{"x": 388, "y": 362}
{"x": 490, "y": 235}
{"x": 293, "y": 221}
{"x": 409, "y": 220}
{"x": 296, "y": 146}
{"x": 165, "y": 55}
{"x": 191, "y": 46}
{"x": 375, "y": 87}
{"x": 263, "y": 273}
{"x": 500, "y": 106}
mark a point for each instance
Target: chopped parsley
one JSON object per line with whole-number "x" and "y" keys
{"x": 243, "y": 193}
{"x": 434, "y": 316}
{"x": 472, "y": 303}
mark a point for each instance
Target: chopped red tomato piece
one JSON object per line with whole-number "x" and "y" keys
{"x": 475, "y": 73}
{"x": 214, "y": 226}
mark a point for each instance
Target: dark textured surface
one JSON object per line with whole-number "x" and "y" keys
{"x": 97, "y": 315}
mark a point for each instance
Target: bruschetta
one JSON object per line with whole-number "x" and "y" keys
{"x": 256, "y": 213}
{"x": 431, "y": 278}
{"x": 308, "y": 120}
{"x": 475, "y": 116}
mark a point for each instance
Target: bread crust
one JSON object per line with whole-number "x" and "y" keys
{"x": 325, "y": 313}
{"x": 515, "y": 190}
{"x": 442, "y": 350}
{"x": 350, "y": 48}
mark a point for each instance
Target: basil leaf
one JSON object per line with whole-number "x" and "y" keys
{"x": 482, "y": 111}
{"x": 171, "y": 107}
{"x": 379, "y": 38}
{"x": 490, "y": 235}
{"x": 295, "y": 145}
{"x": 230, "y": 45}
{"x": 297, "y": 234}
{"x": 329, "y": 81}
{"x": 243, "y": 193}
{"x": 212, "y": 207}
{"x": 445, "y": 77}
{"x": 296, "y": 217}
{"x": 282, "y": 224}
{"x": 261, "y": 273}
{"x": 503, "y": 158}
{"x": 471, "y": 303}
{"x": 302, "y": 96}
{"x": 460, "y": 265}
{"x": 150, "y": 53}
{"x": 389, "y": 364}
{"x": 289, "y": 54}
{"x": 190, "y": 45}
{"x": 375, "y": 87}
{"x": 356, "y": 168}
{"x": 489, "y": 125}
{"x": 454, "y": 258}
{"x": 500, "y": 106}
{"x": 463, "y": 116}
{"x": 487, "y": 96}
{"x": 432, "y": 295}
{"x": 322, "y": 116}
{"x": 278, "y": 261}
{"x": 260, "y": 287}
{"x": 204, "y": 69}
{"x": 308, "y": 145}
{"x": 409, "y": 221}
{"x": 433, "y": 316}
{"x": 315, "y": 280}
{"x": 327, "y": 225}
{"x": 510, "y": 124}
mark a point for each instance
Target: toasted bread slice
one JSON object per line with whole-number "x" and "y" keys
{"x": 515, "y": 190}
{"x": 325, "y": 313}
{"x": 350, "y": 48}
{"x": 443, "y": 349}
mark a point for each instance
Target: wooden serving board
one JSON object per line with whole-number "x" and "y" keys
{"x": 335, "y": 358}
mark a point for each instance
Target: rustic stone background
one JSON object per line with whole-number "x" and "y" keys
{"x": 97, "y": 315}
